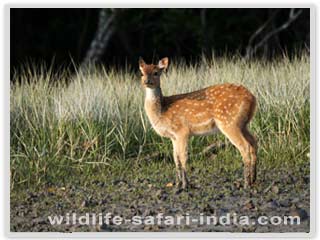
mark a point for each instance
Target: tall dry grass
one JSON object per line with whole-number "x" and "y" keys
{"x": 93, "y": 123}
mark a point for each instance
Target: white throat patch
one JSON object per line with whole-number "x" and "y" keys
{"x": 152, "y": 94}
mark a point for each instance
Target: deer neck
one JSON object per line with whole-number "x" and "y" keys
{"x": 153, "y": 104}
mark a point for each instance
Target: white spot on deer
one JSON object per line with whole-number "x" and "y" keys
{"x": 199, "y": 114}
{"x": 202, "y": 124}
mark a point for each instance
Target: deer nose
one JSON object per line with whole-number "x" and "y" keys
{"x": 147, "y": 81}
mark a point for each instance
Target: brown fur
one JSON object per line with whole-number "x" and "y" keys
{"x": 225, "y": 107}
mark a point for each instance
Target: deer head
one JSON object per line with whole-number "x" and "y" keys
{"x": 151, "y": 73}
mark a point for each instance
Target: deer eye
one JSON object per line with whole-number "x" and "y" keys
{"x": 155, "y": 73}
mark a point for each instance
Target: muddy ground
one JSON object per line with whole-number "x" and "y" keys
{"x": 280, "y": 192}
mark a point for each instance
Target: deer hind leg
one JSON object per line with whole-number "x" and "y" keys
{"x": 238, "y": 139}
{"x": 180, "y": 147}
{"x": 253, "y": 154}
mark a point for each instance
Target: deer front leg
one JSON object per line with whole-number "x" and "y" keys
{"x": 180, "y": 153}
{"x": 182, "y": 147}
{"x": 177, "y": 163}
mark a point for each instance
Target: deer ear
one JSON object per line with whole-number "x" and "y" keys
{"x": 141, "y": 64}
{"x": 163, "y": 63}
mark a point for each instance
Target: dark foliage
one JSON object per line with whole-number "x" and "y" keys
{"x": 64, "y": 34}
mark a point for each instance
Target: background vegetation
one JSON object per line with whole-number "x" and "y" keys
{"x": 117, "y": 37}
{"x": 95, "y": 126}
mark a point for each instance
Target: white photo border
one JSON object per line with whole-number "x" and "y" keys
{"x": 6, "y": 129}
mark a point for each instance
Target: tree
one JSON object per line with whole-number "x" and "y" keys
{"x": 252, "y": 49}
{"x": 105, "y": 30}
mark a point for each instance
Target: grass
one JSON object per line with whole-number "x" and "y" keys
{"x": 92, "y": 125}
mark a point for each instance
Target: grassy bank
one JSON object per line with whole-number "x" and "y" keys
{"x": 94, "y": 127}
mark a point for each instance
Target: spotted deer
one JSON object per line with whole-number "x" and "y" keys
{"x": 225, "y": 107}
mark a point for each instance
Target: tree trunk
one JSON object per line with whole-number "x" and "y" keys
{"x": 99, "y": 43}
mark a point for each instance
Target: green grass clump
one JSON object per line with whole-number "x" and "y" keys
{"x": 93, "y": 126}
